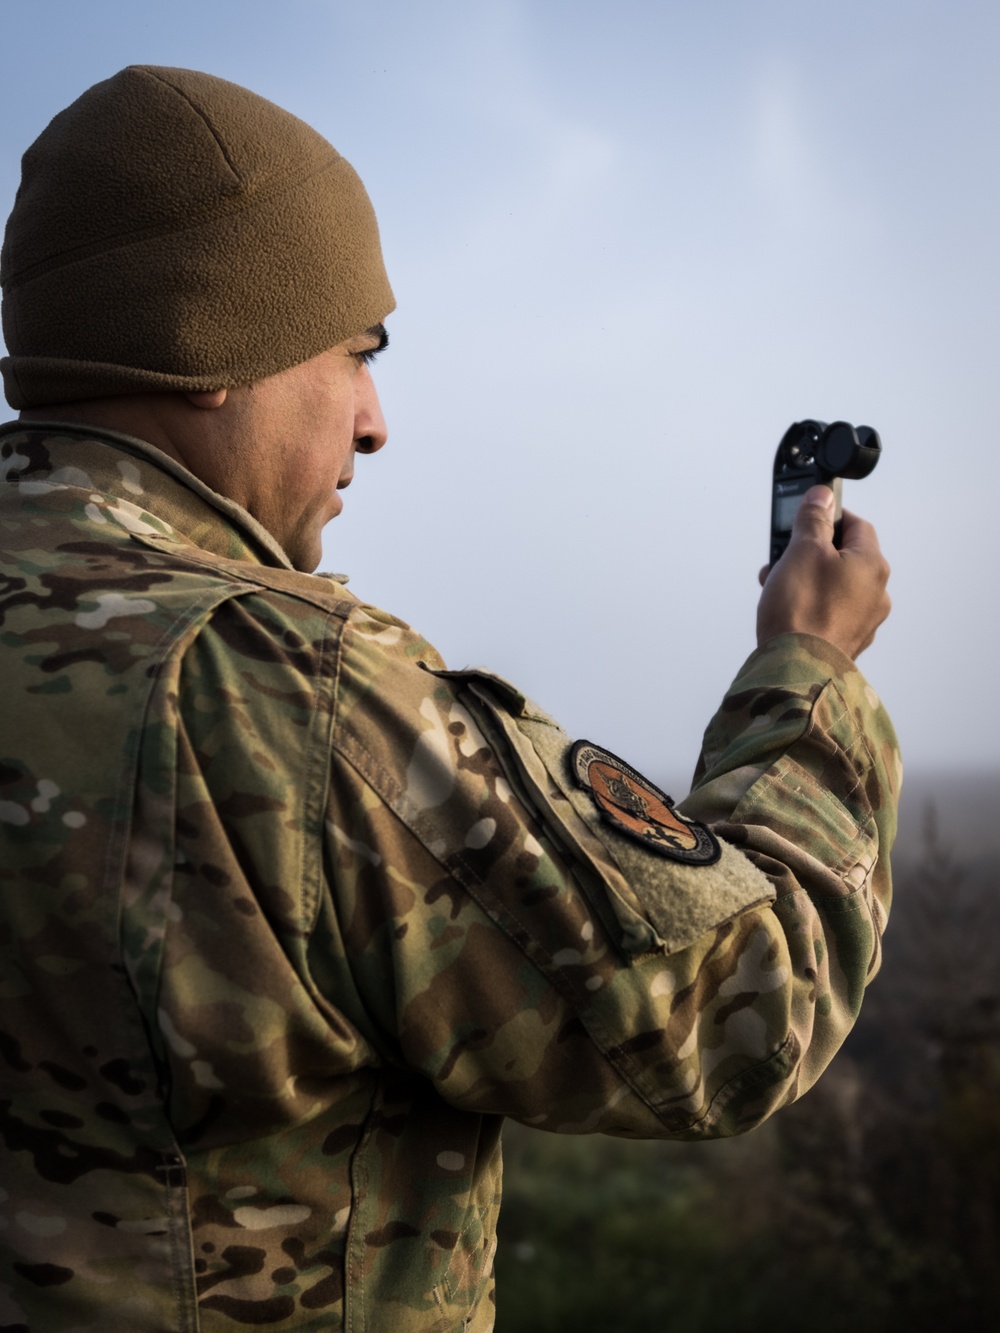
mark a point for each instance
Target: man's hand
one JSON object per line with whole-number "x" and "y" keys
{"x": 840, "y": 595}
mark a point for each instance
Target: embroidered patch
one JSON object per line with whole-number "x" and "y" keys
{"x": 634, "y": 806}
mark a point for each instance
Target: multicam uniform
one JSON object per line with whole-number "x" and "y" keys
{"x": 291, "y": 918}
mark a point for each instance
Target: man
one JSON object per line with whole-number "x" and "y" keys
{"x": 291, "y": 916}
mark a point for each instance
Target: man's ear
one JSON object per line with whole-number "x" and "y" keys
{"x": 206, "y": 399}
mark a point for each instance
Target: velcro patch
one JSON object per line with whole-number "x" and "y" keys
{"x": 635, "y": 807}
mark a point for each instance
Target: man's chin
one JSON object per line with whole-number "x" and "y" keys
{"x": 308, "y": 564}
{"x": 304, "y": 552}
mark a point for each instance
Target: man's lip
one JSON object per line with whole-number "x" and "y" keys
{"x": 345, "y": 481}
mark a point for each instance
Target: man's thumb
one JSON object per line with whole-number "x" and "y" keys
{"x": 814, "y": 517}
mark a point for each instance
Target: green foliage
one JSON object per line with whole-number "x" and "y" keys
{"x": 585, "y": 1221}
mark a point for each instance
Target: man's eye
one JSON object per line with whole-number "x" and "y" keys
{"x": 367, "y": 357}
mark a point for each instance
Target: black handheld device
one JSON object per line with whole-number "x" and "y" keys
{"x": 812, "y": 453}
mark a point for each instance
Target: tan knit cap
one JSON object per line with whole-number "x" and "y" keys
{"x": 175, "y": 231}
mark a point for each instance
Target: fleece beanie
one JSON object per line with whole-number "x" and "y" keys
{"x": 175, "y": 231}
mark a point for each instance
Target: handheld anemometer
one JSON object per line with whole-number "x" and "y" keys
{"x": 813, "y": 453}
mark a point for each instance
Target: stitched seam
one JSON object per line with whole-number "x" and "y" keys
{"x": 729, "y": 1089}
{"x": 318, "y": 771}
{"x": 148, "y": 74}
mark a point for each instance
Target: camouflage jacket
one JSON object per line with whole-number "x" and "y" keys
{"x": 291, "y": 918}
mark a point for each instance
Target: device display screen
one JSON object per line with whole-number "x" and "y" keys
{"x": 784, "y": 509}
{"x": 787, "y": 495}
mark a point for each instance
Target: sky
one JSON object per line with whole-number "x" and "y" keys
{"x": 630, "y": 244}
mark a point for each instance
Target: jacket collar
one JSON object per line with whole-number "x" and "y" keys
{"x": 137, "y": 475}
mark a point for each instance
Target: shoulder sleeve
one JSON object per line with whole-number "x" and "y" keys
{"x": 507, "y": 942}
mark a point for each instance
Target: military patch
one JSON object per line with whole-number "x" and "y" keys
{"x": 635, "y": 807}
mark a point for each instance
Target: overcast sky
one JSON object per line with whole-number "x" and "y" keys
{"x": 631, "y": 242}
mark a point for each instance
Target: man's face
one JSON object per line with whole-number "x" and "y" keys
{"x": 291, "y": 441}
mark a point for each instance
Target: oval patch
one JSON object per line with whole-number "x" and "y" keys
{"x": 631, "y": 803}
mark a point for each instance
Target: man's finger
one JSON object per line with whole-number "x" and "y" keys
{"x": 858, "y": 534}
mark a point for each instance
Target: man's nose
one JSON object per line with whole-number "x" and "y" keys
{"x": 370, "y": 431}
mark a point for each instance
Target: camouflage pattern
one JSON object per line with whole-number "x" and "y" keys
{"x": 291, "y": 917}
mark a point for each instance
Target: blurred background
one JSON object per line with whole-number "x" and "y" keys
{"x": 631, "y": 242}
